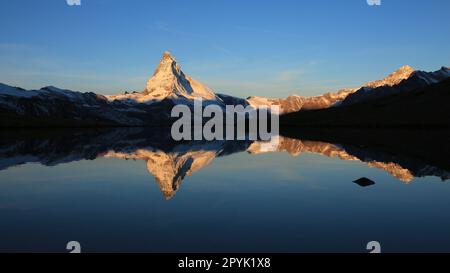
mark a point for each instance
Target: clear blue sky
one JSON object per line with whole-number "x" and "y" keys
{"x": 270, "y": 48}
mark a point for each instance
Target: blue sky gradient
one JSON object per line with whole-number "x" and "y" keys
{"x": 242, "y": 48}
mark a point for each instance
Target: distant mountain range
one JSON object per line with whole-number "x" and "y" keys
{"x": 402, "y": 80}
{"x": 169, "y": 85}
{"x": 413, "y": 103}
{"x": 51, "y": 106}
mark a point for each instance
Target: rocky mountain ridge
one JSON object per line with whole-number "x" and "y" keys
{"x": 168, "y": 86}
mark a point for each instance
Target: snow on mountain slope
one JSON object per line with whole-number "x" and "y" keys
{"x": 52, "y": 106}
{"x": 403, "y": 80}
{"x": 296, "y": 103}
{"x": 394, "y": 78}
{"x": 15, "y": 91}
{"x": 169, "y": 86}
{"x": 290, "y": 104}
{"x": 52, "y": 90}
{"x": 169, "y": 82}
{"x": 48, "y": 91}
{"x": 433, "y": 77}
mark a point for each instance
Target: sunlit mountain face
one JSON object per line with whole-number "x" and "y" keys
{"x": 170, "y": 162}
{"x": 169, "y": 86}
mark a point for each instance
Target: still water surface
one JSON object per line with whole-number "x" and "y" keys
{"x": 121, "y": 190}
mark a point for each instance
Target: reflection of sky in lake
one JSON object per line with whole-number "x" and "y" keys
{"x": 241, "y": 202}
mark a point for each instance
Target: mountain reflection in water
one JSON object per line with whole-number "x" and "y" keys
{"x": 170, "y": 162}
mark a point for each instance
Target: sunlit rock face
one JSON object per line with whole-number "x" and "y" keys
{"x": 169, "y": 86}
{"x": 394, "y": 78}
{"x": 171, "y": 83}
{"x": 404, "y": 80}
{"x": 296, "y": 103}
{"x": 326, "y": 100}
{"x": 287, "y": 105}
{"x": 168, "y": 81}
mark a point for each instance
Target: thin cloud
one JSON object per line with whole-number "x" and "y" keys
{"x": 289, "y": 75}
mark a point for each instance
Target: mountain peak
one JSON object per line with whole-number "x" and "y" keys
{"x": 169, "y": 81}
{"x": 167, "y": 65}
{"x": 405, "y": 68}
{"x": 394, "y": 78}
{"x": 168, "y": 55}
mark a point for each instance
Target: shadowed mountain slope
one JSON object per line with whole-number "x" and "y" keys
{"x": 426, "y": 106}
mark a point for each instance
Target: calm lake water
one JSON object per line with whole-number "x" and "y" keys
{"x": 133, "y": 191}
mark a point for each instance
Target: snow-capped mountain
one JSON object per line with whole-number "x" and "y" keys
{"x": 394, "y": 78}
{"x": 296, "y": 103}
{"x": 413, "y": 103}
{"x": 169, "y": 82}
{"x": 51, "y": 106}
{"x": 290, "y": 104}
{"x": 405, "y": 79}
{"x": 6, "y": 90}
{"x": 168, "y": 86}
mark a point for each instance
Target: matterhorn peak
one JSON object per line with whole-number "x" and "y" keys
{"x": 167, "y": 54}
{"x": 167, "y": 61}
{"x": 169, "y": 81}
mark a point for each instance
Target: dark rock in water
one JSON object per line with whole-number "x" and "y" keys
{"x": 364, "y": 182}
